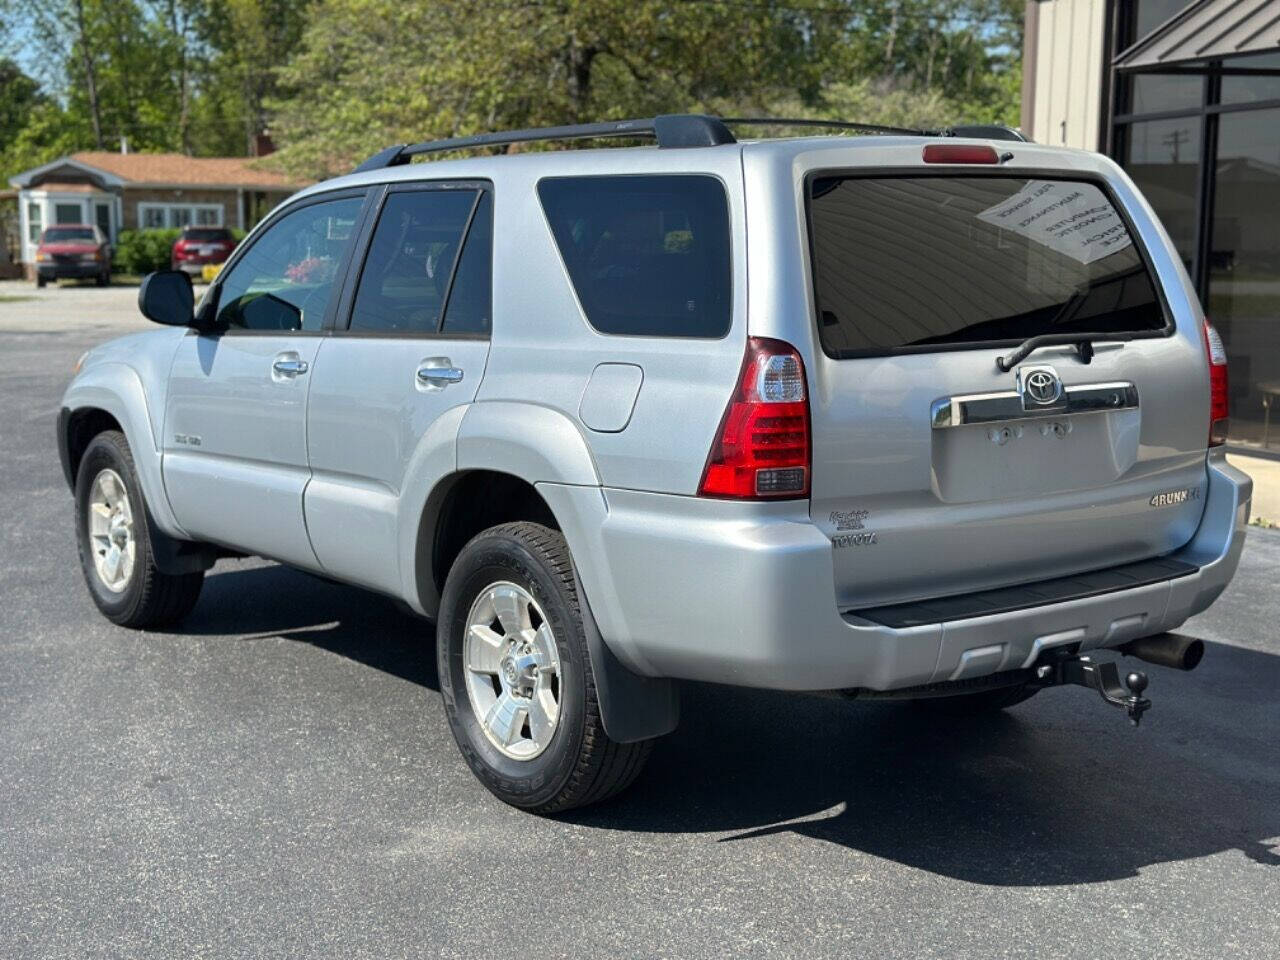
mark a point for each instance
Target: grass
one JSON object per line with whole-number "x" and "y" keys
{"x": 14, "y": 298}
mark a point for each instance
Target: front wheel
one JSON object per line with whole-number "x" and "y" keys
{"x": 516, "y": 677}
{"x": 115, "y": 542}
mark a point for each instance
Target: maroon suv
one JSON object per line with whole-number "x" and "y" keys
{"x": 76, "y": 250}
{"x": 198, "y": 246}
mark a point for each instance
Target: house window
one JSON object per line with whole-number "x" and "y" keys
{"x": 35, "y": 222}
{"x": 68, "y": 213}
{"x": 154, "y": 216}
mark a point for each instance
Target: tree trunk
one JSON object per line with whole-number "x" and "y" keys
{"x": 90, "y": 75}
{"x": 184, "y": 97}
{"x": 578, "y": 60}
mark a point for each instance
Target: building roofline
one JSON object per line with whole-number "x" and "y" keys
{"x": 23, "y": 180}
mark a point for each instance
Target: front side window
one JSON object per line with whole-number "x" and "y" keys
{"x": 913, "y": 262}
{"x": 647, "y": 255}
{"x": 284, "y": 281}
{"x": 410, "y": 264}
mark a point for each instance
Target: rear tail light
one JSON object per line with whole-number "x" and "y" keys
{"x": 960, "y": 153}
{"x": 762, "y": 449}
{"x": 1218, "y": 405}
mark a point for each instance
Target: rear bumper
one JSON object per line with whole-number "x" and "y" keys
{"x": 730, "y": 593}
{"x": 196, "y": 266}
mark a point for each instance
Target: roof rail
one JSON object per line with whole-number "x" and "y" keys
{"x": 985, "y": 131}
{"x": 825, "y": 124}
{"x": 672, "y": 130}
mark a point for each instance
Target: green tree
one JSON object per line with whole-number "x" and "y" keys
{"x": 369, "y": 72}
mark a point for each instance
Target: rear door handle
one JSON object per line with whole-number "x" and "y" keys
{"x": 289, "y": 365}
{"x": 438, "y": 372}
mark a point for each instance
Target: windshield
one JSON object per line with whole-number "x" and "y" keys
{"x": 911, "y": 262}
{"x": 207, "y": 236}
{"x": 69, "y": 235}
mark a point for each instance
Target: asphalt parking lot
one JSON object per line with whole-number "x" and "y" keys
{"x": 276, "y": 779}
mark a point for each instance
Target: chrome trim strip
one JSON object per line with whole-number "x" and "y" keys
{"x": 1008, "y": 405}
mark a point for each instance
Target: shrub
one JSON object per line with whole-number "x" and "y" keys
{"x": 142, "y": 251}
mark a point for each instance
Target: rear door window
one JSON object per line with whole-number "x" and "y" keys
{"x": 411, "y": 261}
{"x": 648, "y": 255}
{"x": 914, "y": 262}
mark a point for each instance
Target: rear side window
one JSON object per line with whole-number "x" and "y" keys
{"x": 411, "y": 259}
{"x": 648, "y": 255}
{"x": 910, "y": 262}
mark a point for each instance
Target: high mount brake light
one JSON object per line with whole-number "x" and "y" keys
{"x": 1219, "y": 406}
{"x": 762, "y": 450}
{"x": 960, "y": 153}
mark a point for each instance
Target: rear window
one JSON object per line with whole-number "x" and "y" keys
{"x": 648, "y": 255}
{"x": 910, "y": 262}
{"x": 206, "y": 235}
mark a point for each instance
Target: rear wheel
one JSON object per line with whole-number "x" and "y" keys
{"x": 976, "y": 704}
{"x": 516, "y": 677}
{"x": 115, "y": 542}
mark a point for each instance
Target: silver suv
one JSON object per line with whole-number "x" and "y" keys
{"x": 903, "y": 415}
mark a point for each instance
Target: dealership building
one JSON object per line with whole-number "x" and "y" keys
{"x": 1186, "y": 97}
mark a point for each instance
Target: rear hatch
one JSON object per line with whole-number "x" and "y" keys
{"x": 937, "y": 473}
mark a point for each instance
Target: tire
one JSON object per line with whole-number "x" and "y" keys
{"x": 133, "y": 593}
{"x": 978, "y": 704}
{"x": 40, "y": 282}
{"x": 526, "y": 564}
{"x": 102, "y": 279}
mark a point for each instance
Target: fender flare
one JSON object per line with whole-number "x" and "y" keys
{"x": 116, "y": 389}
{"x": 545, "y": 448}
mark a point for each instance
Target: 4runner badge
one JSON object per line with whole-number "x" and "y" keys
{"x": 851, "y": 520}
{"x": 1174, "y": 497}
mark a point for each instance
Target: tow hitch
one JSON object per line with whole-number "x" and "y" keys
{"x": 1165, "y": 649}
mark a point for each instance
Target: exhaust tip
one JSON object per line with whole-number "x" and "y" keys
{"x": 1167, "y": 650}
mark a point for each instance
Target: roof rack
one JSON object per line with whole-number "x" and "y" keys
{"x": 670, "y": 130}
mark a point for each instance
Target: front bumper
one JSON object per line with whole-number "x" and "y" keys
{"x": 695, "y": 590}
{"x": 71, "y": 271}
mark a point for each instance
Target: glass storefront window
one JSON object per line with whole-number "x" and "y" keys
{"x": 1158, "y": 92}
{"x": 1163, "y": 158}
{"x": 1244, "y": 267}
{"x": 1252, "y": 89}
{"x": 1152, "y": 13}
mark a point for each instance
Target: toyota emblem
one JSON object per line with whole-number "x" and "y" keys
{"x": 1041, "y": 386}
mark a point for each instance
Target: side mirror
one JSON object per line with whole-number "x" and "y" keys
{"x": 166, "y": 297}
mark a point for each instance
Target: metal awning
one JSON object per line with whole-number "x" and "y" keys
{"x": 1208, "y": 30}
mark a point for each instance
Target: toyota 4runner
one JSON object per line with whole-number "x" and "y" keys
{"x": 917, "y": 415}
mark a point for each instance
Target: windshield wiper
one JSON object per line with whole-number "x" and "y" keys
{"x": 1083, "y": 342}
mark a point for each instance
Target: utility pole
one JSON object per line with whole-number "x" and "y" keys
{"x": 1176, "y": 140}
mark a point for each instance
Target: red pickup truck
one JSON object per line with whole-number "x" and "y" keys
{"x": 76, "y": 250}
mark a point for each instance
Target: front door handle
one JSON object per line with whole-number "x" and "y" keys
{"x": 289, "y": 365}
{"x": 438, "y": 372}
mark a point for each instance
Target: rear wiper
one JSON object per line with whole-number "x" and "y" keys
{"x": 1083, "y": 342}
